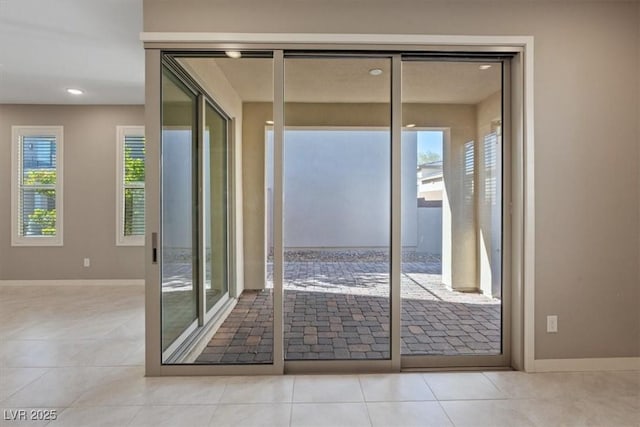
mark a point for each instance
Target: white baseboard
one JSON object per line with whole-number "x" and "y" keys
{"x": 74, "y": 282}
{"x": 591, "y": 364}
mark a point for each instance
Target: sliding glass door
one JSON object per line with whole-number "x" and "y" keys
{"x": 374, "y": 222}
{"x": 452, "y": 221}
{"x": 336, "y": 220}
{"x": 195, "y": 249}
{"x": 214, "y": 227}
{"x": 179, "y": 212}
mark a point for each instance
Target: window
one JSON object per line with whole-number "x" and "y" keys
{"x": 468, "y": 172}
{"x": 36, "y": 178}
{"x": 130, "y": 186}
{"x": 490, "y": 182}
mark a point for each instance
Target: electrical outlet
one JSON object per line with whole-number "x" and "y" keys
{"x": 87, "y": 262}
{"x": 552, "y": 324}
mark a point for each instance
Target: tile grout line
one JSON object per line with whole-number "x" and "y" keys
{"x": 130, "y": 423}
{"x": 293, "y": 390}
{"x": 213, "y": 415}
{"x": 437, "y": 399}
{"x": 28, "y": 383}
{"x": 364, "y": 398}
{"x": 495, "y": 385}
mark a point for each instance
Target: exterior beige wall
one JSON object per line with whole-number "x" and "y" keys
{"x": 253, "y": 166}
{"x": 213, "y": 80}
{"x": 489, "y": 251}
{"x": 89, "y": 196}
{"x": 459, "y": 249}
{"x": 460, "y": 118}
{"x": 586, "y": 119}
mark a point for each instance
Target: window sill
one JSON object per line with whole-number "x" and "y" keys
{"x": 36, "y": 241}
{"x": 130, "y": 241}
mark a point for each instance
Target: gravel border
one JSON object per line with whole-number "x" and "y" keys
{"x": 353, "y": 255}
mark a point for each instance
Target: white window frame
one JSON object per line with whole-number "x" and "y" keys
{"x": 17, "y": 133}
{"x": 121, "y": 133}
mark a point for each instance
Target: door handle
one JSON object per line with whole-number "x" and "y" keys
{"x": 154, "y": 248}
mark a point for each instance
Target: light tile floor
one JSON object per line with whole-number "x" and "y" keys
{"x": 80, "y": 351}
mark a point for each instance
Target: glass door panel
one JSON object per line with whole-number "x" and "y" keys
{"x": 178, "y": 177}
{"x": 238, "y": 318}
{"x": 452, "y": 208}
{"x": 337, "y": 208}
{"x": 214, "y": 177}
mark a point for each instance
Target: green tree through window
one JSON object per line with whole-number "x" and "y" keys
{"x": 428, "y": 157}
{"x": 44, "y": 218}
{"x": 133, "y": 194}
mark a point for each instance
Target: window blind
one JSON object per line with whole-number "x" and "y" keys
{"x": 490, "y": 143}
{"x": 468, "y": 172}
{"x": 133, "y": 182}
{"x": 37, "y": 181}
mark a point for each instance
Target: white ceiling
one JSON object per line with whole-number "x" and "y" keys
{"x": 47, "y": 46}
{"x": 348, "y": 80}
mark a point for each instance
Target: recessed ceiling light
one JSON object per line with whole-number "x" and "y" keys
{"x": 233, "y": 54}
{"x": 75, "y": 91}
{"x": 269, "y": 122}
{"x": 411, "y": 125}
{"x": 485, "y": 67}
{"x": 375, "y": 71}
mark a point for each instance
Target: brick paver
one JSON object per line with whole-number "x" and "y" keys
{"x": 340, "y": 310}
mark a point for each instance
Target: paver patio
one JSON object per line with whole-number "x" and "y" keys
{"x": 340, "y": 310}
